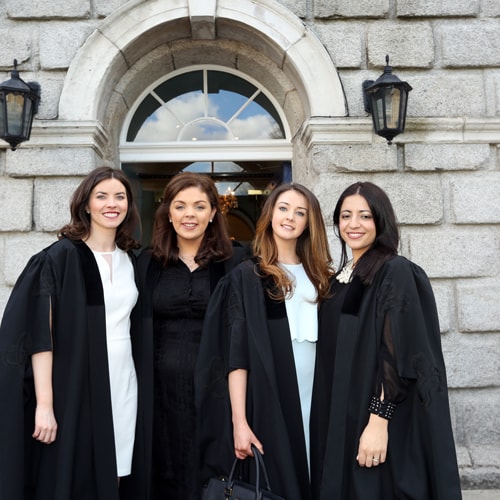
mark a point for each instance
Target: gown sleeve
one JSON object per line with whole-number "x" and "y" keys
{"x": 388, "y": 380}
{"x": 421, "y": 444}
{"x": 24, "y": 330}
{"x": 235, "y": 328}
{"x": 411, "y": 345}
{"x": 216, "y": 358}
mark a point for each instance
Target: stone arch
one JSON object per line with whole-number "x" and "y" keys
{"x": 139, "y": 28}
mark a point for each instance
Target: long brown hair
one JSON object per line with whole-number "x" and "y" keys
{"x": 79, "y": 226}
{"x": 312, "y": 246}
{"x": 216, "y": 244}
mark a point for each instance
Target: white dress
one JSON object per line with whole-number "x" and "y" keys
{"x": 120, "y": 296}
{"x": 302, "y": 314}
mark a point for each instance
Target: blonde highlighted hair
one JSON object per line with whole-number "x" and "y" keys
{"x": 312, "y": 247}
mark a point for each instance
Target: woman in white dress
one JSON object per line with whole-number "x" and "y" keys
{"x": 120, "y": 296}
{"x": 107, "y": 208}
{"x": 73, "y": 384}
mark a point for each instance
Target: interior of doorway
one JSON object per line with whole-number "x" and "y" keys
{"x": 242, "y": 188}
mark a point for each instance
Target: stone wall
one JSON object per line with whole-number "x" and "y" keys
{"x": 443, "y": 174}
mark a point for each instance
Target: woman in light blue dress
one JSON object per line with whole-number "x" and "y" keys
{"x": 264, "y": 317}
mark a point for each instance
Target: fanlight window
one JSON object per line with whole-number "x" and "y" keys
{"x": 205, "y": 105}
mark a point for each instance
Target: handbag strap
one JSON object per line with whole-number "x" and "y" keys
{"x": 228, "y": 491}
{"x": 259, "y": 464}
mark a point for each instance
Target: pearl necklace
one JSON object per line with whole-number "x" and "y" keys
{"x": 345, "y": 275}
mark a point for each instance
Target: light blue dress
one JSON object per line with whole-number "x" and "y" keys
{"x": 302, "y": 313}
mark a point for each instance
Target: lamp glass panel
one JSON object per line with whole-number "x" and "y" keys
{"x": 402, "y": 108}
{"x": 15, "y": 107}
{"x": 378, "y": 104}
{"x": 392, "y": 102}
{"x": 27, "y": 117}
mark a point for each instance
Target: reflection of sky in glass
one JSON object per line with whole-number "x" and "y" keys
{"x": 187, "y": 107}
{"x": 227, "y": 103}
{"x": 227, "y": 116}
{"x": 205, "y": 130}
{"x": 216, "y": 166}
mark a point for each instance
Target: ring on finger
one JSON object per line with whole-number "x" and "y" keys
{"x": 375, "y": 460}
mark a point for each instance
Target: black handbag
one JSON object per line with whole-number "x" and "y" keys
{"x": 229, "y": 488}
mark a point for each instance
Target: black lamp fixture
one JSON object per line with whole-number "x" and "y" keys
{"x": 386, "y": 100}
{"x": 18, "y": 104}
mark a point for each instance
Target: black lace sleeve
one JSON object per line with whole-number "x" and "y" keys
{"x": 388, "y": 382}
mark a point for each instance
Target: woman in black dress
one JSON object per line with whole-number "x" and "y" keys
{"x": 190, "y": 251}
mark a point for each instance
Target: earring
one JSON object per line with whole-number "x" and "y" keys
{"x": 88, "y": 211}
{"x": 210, "y": 220}
{"x": 170, "y": 220}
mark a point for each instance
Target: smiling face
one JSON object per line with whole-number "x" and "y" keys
{"x": 108, "y": 205}
{"x": 290, "y": 216}
{"x": 356, "y": 225}
{"x": 190, "y": 212}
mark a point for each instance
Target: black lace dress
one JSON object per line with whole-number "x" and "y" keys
{"x": 180, "y": 299}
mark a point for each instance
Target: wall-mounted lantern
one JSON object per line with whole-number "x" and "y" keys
{"x": 386, "y": 99}
{"x": 18, "y": 104}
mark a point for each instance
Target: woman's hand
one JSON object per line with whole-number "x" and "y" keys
{"x": 243, "y": 439}
{"x": 372, "y": 449}
{"x": 45, "y": 424}
{"x": 242, "y": 434}
{"x": 45, "y": 421}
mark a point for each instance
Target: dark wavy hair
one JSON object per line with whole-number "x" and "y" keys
{"x": 312, "y": 246}
{"x": 386, "y": 241}
{"x": 216, "y": 244}
{"x": 79, "y": 226}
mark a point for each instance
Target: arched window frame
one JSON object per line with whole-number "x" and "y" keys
{"x": 241, "y": 150}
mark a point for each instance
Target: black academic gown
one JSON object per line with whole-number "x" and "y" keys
{"x": 421, "y": 459}
{"x": 61, "y": 282}
{"x": 245, "y": 329}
